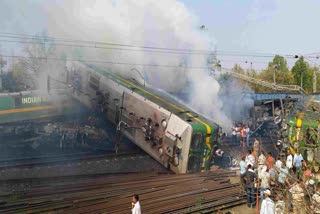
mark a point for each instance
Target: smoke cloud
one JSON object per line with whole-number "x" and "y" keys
{"x": 165, "y": 23}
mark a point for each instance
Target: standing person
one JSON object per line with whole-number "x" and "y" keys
{"x": 250, "y": 159}
{"x": 243, "y": 169}
{"x": 243, "y": 136}
{"x": 264, "y": 176}
{"x": 273, "y": 176}
{"x": 234, "y": 134}
{"x": 262, "y": 160}
{"x": 306, "y": 174}
{"x": 297, "y": 162}
{"x": 298, "y": 201}
{"x": 135, "y": 205}
{"x": 247, "y": 130}
{"x": 238, "y": 138}
{"x": 283, "y": 174}
{"x": 250, "y": 178}
{"x": 267, "y": 205}
{"x": 278, "y": 163}
{"x": 255, "y": 159}
{"x": 256, "y": 147}
{"x": 270, "y": 160}
{"x": 289, "y": 161}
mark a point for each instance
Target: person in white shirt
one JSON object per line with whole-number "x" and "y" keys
{"x": 248, "y": 136}
{"x": 136, "y": 208}
{"x": 267, "y": 205}
{"x": 243, "y": 168}
{"x": 250, "y": 159}
{"x": 278, "y": 163}
{"x": 234, "y": 135}
{"x": 297, "y": 158}
{"x": 289, "y": 160}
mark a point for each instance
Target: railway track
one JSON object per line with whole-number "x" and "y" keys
{"x": 59, "y": 159}
{"x": 159, "y": 193}
{"x": 77, "y": 166}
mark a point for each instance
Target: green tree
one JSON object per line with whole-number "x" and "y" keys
{"x": 238, "y": 69}
{"x": 278, "y": 72}
{"x": 2, "y": 61}
{"x": 302, "y": 74}
{"x": 9, "y": 83}
{"x": 213, "y": 62}
{"x": 2, "y": 64}
{"x": 316, "y": 70}
{"x": 279, "y": 63}
{"x": 38, "y": 49}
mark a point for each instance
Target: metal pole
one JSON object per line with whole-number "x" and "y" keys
{"x": 314, "y": 81}
{"x": 301, "y": 80}
{"x": 274, "y": 76}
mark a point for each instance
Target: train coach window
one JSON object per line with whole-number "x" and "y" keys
{"x": 196, "y": 141}
{"x": 94, "y": 83}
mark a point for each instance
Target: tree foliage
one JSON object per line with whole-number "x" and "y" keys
{"x": 278, "y": 72}
{"x": 38, "y": 49}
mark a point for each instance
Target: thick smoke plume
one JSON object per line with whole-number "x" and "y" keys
{"x": 165, "y": 23}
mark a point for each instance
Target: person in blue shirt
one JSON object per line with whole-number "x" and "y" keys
{"x": 297, "y": 160}
{"x": 297, "y": 163}
{"x": 283, "y": 172}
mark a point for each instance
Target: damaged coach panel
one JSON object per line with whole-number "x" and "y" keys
{"x": 175, "y": 136}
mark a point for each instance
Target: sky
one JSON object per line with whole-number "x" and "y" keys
{"x": 261, "y": 26}
{"x": 246, "y": 26}
{"x": 270, "y": 26}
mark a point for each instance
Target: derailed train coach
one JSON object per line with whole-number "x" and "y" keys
{"x": 175, "y": 136}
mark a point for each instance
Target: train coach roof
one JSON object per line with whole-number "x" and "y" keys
{"x": 162, "y": 99}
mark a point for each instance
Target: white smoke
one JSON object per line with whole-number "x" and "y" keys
{"x": 165, "y": 23}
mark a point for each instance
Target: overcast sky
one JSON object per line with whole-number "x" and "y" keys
{"x": 255, "y": 26}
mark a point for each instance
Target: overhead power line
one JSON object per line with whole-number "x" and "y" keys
{"x": 224, "y": 71}
{"x": 312, "y": 61}
{"x": 126, "y": 47}
{"x": 110, "y": 62}
{"x": 104, "y": 62}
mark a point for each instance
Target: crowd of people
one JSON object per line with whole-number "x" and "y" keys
{"x": 272, "y": 182}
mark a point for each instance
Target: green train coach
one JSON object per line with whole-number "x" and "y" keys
{"x": 174, "y": 135}
{"x": 32, "y": 105}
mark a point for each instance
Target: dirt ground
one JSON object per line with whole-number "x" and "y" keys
{"x": 242, "y": 209}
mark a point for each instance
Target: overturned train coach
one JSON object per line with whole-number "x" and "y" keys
{"x": 175, "y": 136}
